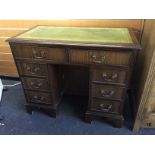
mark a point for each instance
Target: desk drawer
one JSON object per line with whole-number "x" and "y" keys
{"x": 106, "y": 106}
{"x": 107, "y": 91}
{"x": 32, "y": 69}
{"x": 37, "y": 97}
{"x": 40, "y": 53}
{"x": 109, "y": 75}
{"x": 54, "y": 54}
{"x": 35, "y": 84}
{"x": 118, "y": 58}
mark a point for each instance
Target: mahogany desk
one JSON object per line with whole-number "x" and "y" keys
{"x": 49, "y": 58}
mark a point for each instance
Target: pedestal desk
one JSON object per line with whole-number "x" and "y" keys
{"x": 43, "y": 55}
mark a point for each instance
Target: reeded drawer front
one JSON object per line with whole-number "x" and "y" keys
{"x": 37, "y": 97}
{"x": 101, "y": 57}
{"x": 106, "y": 106}
{"x": 35, "y": 84}
{"x": 32, "y": 69}
{"x": 109, "y": 75}
{"x": 107, "y": 91}
{"x": 40, "y": 53}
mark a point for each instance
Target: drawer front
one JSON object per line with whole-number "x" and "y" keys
{"x": 106, "y": 106}
{"x": 107, "y": 91}
{"x": 109, "y": 75}
{"x": 37, "y": 97}
{"x": 118, "y": 58}
{"x": 40, "y": 53}
{"x": 21, "y": 51}
{"x": 55, "y": 54}
{"x": 32, "y": 69}
{"x": 35, "y": 84}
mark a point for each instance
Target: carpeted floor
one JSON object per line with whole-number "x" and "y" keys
{"x": 69, "y": 118}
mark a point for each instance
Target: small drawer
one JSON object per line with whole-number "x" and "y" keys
{"x": 22, "y": 51}
{"x": 109, "y": 75}
{"x": 35, "y": 84}
{"x": 40, "y": 53}
{"x": 118, "y": 58}
{"x": 108, "y": 92}
{"x": 106, "y": 106}
{"x": 56, "y": 55}
{"x": 32, "y": 69}
{"x": 37, "y": 97}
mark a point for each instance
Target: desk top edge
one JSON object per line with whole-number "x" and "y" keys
{"x": 133, "y": 45}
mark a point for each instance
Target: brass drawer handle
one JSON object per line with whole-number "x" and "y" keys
{"x": 37, "y": 55}
{"x": 109, "y": 79}
{"x": 36, "y": 85}
{"x": 38, "y": 98}
{"x": 103, "y": 58}
{"x": 107, "y": 93}
{"x": 32, "y": 70}
{"x": 105, "y": 109}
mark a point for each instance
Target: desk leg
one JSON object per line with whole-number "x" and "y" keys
{"x": 51, "y": 112}
{"x": 88, "y": 117}
{"x": 29, "y": 109}
{"x": 118, "y": 123}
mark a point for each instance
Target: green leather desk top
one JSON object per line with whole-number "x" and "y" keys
{"x": 78, "y": 34}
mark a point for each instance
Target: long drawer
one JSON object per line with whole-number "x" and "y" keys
{"x": 108, "y": 92}
{"x": 106, "y": 106}
{"x": 35, "y": 84}
{"x": 32, "y": 69}
{"x": 118, "y": 58}
{"x": 40, "y": 53}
